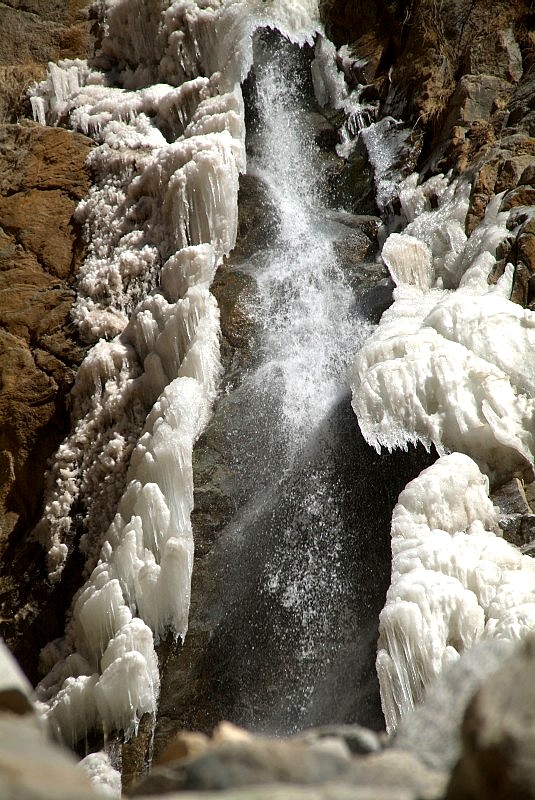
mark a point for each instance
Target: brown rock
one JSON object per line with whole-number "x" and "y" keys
{"x": 520, "y": 196}
{"x": 528, "y": 176}
{"x": 520, "y": 290}
{"x": 480, "y": 195}
{"x": 185, "y": 744}
{"x": 497, "y": 54}
{"x": 42, "y": 177}
{"x": 477, "y": 97}
{"x": 34, "y": 33}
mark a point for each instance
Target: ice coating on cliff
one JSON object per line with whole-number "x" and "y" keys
{"x": 160, "y": 217}
{"x": 454, "y": 581}
{"x": 449, "y": 365}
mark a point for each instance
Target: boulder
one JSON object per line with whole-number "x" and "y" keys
{"x": 315, "y": 759}
{"x": 15, "y": 689}
{"x": 432, "y": 730}
{"x": 497, "y": 54}
{"x": 31, "y": 768}
{"x": 498, "y": 735}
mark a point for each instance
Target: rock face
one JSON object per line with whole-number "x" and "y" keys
{"x": 34, "y": 33}
{"x": 42, "y": 178}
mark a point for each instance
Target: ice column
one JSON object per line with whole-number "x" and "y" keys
{"x": 454, "y": 581}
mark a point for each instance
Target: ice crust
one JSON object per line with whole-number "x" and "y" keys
{"x": 166, "y": 113}
{"x": 454, "y": 581}
{"x": 105, "y": 780}
{"x": 449, "y": 365}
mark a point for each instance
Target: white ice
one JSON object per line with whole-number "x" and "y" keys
{"x": 449, "y": 365}
{"x": 105, "y": 780}
{"x": 449, "y": 368}
{"x": 159, "y": 219}
{"x": 454, "y": 581}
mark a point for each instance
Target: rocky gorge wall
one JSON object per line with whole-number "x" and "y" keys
{"x": 460, "y": 76}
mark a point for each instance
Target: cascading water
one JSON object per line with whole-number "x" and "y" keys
{"x": 308, "y": 327}
{"x": 303, "y": 563}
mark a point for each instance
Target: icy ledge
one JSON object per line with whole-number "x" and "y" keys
{"x": 449, "y": 365}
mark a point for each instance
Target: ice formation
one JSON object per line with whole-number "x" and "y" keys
{"x": 454, "y": 581}
{"x": 166, "y": 113}
{"x": 105, "y": 780}
{"x": 448, "y": 365}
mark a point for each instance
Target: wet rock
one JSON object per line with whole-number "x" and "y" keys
{"x": 311, "y": 760}
{"x": 481, "y": 193}
{"x": 511, "y": 498}
{"x": 498, "y": 735}
{"x": 516, "y": 518}
{"x": 350, "y": 183}
{"x": 520, "y": 196}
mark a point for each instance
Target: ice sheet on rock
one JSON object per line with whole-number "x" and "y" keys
{"x": 448, "y": 368}
{"x": 409, "y": 260}
{"x": 454, "y": 581}
{"x": 168, "y": 121}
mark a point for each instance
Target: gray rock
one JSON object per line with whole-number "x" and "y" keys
{"x": 359, "y": 740}
{"x": 497, "y": 54}
{"x": 31, "y": 768}
{"x": 476, "y": 96}
{"x": 433, "y": 730}
{"x": 315, "y": 759}
{"x": 15, "y": 689}
{"x": 245, "y": 763}
{"x": 278, "y": 791}
{"x": 396, "y": 769}
{"x": 498, "y": 734}
{"x": 511, "y": 498}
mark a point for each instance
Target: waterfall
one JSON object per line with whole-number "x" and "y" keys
{"x": 302, "y": 563}
{"x": 288, "y": 587}
{"x": 283, "y": 441}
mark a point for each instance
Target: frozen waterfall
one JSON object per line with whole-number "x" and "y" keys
{"x": 287, "y": 597}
